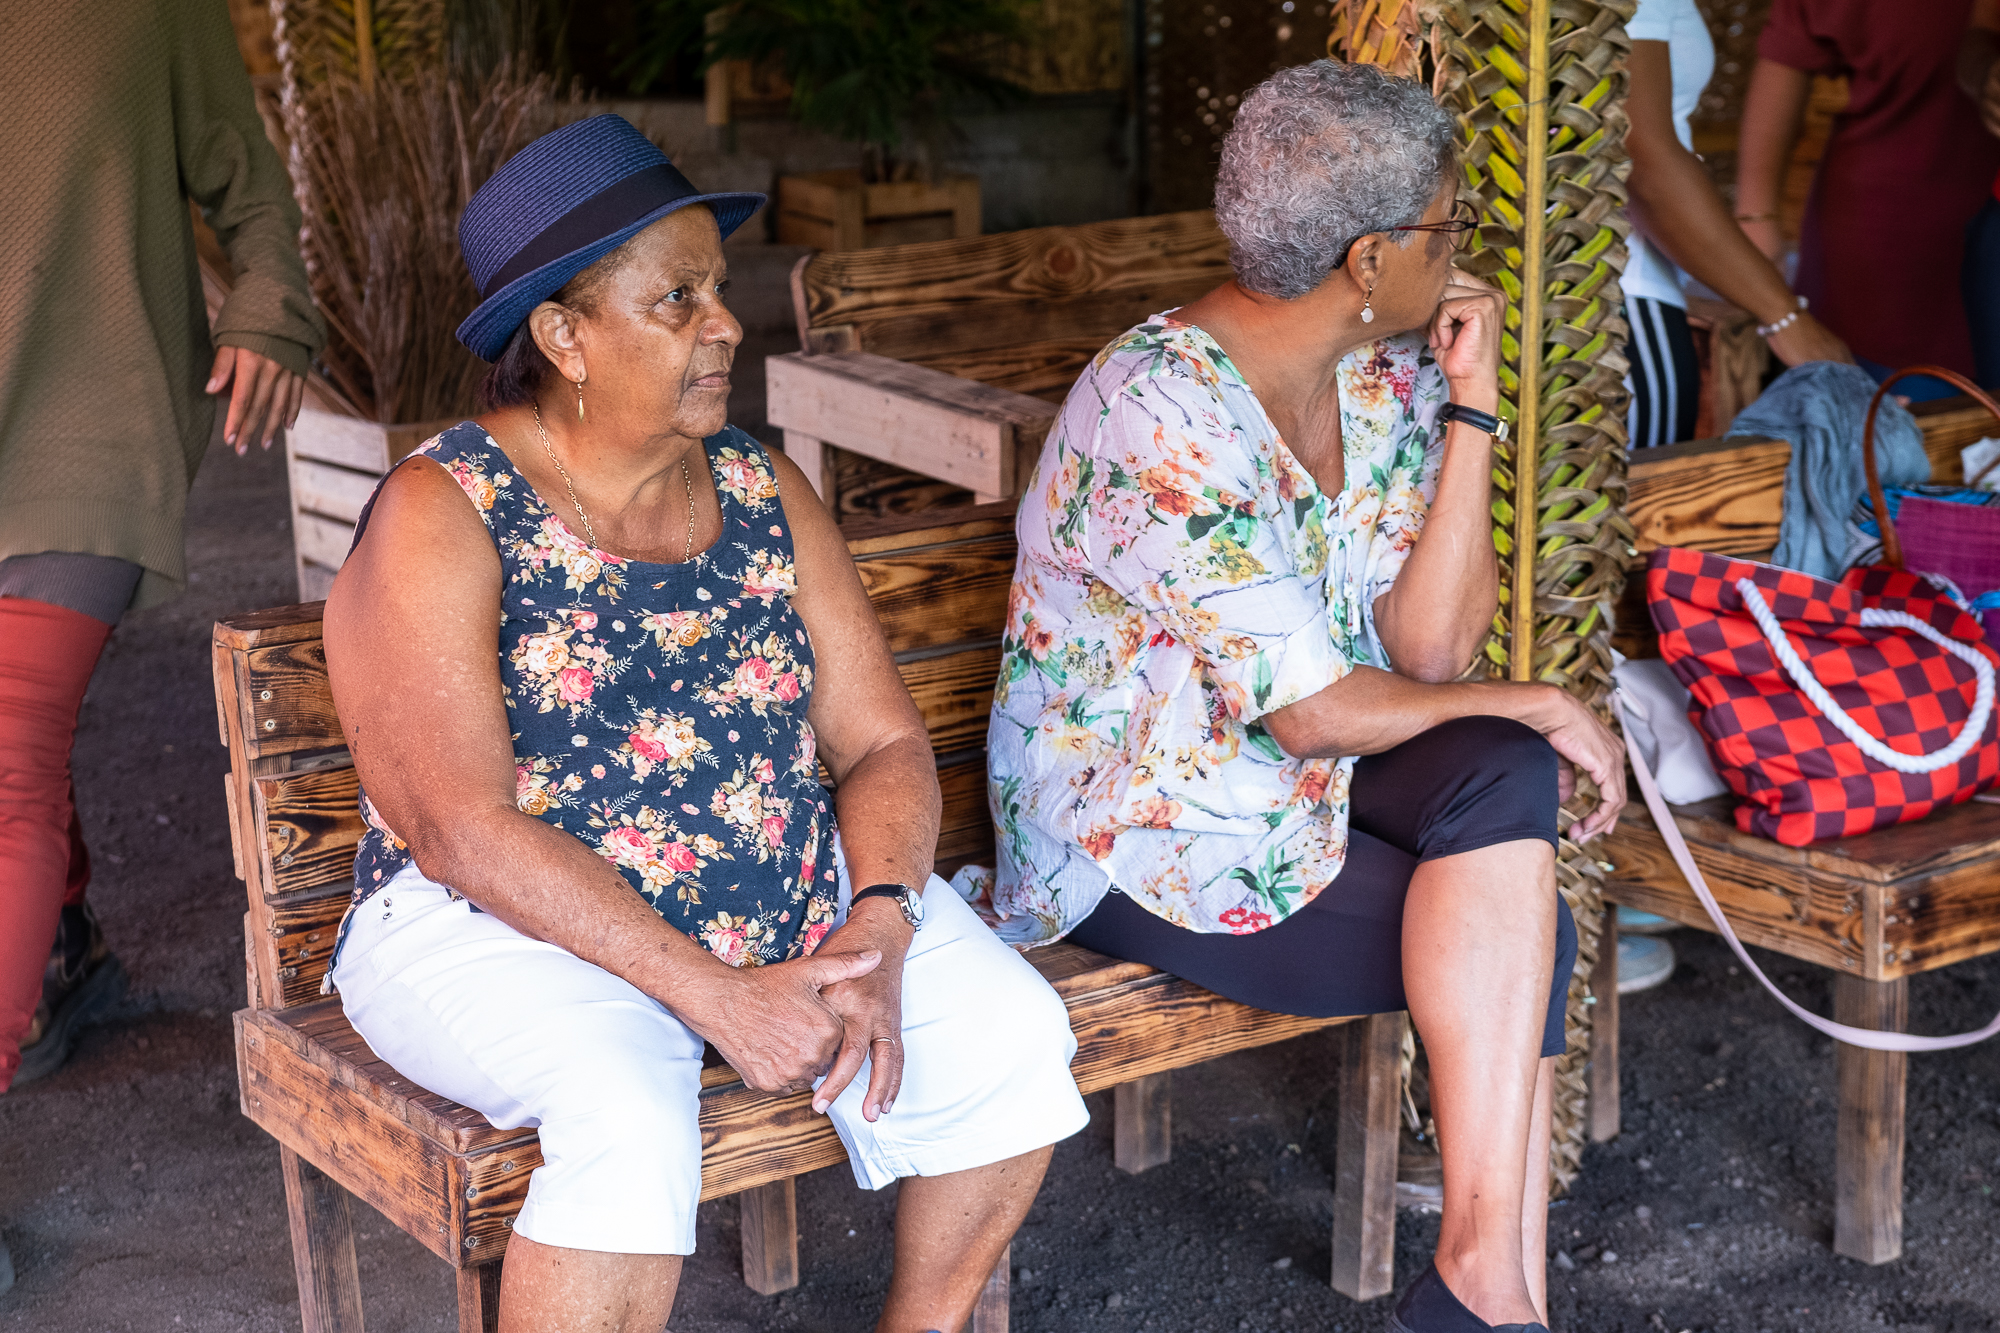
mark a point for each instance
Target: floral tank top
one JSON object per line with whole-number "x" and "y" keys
{"x": 659, "y": 710}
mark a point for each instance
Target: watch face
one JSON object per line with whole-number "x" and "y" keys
{"x": 913, "y": 907}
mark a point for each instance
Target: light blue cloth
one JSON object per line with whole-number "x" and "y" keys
{"x": 1820, "y": 407}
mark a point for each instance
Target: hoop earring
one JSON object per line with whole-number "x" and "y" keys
{"x": 1367, "y": 317}
{"x": 579, "y": 396}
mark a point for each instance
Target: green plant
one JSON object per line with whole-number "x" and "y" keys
{"x": 875, "y": 72}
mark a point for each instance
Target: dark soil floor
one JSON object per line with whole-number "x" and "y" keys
{"x": 134, "y": 1196}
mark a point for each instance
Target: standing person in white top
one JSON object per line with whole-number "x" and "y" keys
{"x": 1682, "y": 227}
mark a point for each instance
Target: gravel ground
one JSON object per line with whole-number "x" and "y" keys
{"x": 135, "y": 1196}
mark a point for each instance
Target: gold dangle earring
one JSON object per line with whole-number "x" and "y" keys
{"x": 579, "y": 396}
{"x": 1367, "y": 311}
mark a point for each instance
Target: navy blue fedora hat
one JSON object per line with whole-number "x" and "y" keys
{"x": 558, "y": 206}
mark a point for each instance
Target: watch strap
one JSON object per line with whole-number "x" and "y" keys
{"x": 1473, "y": 417}
{"x": 881, "y": 891}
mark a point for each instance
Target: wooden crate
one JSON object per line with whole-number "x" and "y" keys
{"x": 335, "y": 463}
{"x": 836, "y": 210}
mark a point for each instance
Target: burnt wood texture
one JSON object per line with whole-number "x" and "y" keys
{"x": 1874, "y": 909}
{"x": 350, "y": 1125}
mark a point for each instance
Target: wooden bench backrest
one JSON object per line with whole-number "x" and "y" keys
{"x": 1022, "y": 310}
{"x": 940, "y": 590}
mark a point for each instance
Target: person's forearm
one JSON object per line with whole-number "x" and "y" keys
{"x": 1773, "y": 109}
{"x": 1679, "y": 210}
{"x": 549, "y": 886}
{"x": 1438, "y": 611}
{"x": 889, "y": 807}
{"x": 1368, "y": 711}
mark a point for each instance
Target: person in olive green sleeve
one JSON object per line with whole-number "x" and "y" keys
{"x": 113, "y": 115}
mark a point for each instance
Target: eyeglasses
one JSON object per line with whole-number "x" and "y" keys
{"x": 1465, "y": 219}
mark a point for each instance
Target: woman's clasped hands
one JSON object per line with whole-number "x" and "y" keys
{"x": 783, "y": 1026}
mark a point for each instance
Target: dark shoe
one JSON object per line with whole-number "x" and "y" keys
{"x": 83, "y": 980}
{"x": 1429, "y": 1307}
{"x": 6, "y": 1268}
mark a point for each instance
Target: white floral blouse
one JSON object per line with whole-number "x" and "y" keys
{"x": 1181, "y": 575}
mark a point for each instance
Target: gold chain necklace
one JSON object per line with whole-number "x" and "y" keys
{"x": 590, "y": 534}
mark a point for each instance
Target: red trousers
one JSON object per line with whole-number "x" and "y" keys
{"x": 46, "y": 656}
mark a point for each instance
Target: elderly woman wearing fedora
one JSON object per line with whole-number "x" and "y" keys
{"x": 590, "y": 651}
{"x": 1228, "y": 739}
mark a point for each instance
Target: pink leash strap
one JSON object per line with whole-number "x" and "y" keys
{"x": 1866, "y": 1038}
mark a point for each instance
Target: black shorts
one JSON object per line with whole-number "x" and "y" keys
{"x": 1472, "y": 782}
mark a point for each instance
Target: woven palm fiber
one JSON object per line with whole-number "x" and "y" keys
{"x": 357, "y": 39}
{"x": 1520, "y": 74}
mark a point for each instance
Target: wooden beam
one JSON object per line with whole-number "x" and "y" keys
{"x": 1364, "y": 1190}
{"x": 322, "y": 1247}
{"x": 479, "y": 1299}
{"x": 991, "y": 1313}
{"x": 939, "y": 425}
{"x": 1724, "y": 496}
{"x": 817, "y": 463}
{"x": 1868, "y": 1154}
{"x": 770, "y": 1227}
{"x": 1603, "y": 1075}
{"x": 1143, "y": 1122}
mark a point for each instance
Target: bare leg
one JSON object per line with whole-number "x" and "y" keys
{"x": 949, "y": 1234}
{"x": 1479, "y": 935}
{"x": 546, "y": 1287}
{"x": 1535, "y": 1189}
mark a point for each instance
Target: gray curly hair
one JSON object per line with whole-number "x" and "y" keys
{"x": 1320, "y": 156}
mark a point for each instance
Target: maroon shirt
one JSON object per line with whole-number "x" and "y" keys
{"x": 1906, "y": 168}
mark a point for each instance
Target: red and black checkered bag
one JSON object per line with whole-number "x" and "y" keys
{"x": 1883, "y": 713}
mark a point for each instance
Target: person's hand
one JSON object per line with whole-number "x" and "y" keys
{"x": 772, "y": 1023}
{"x": 870, "y": 1007}
{"x": 1767, "y": 235}
{"x": 1582, "y": 740}
{"x": 263, "y": 396}
{"x": 1465, "y": 337}
{"x": 1806, "y": 339}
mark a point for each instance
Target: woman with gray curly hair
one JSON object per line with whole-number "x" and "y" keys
{"x": 1229, "y": 738}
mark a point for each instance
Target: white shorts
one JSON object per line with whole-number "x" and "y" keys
{"x": 528, "y": 1034}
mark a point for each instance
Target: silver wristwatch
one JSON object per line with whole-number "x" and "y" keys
{"x": 906, "y": 898}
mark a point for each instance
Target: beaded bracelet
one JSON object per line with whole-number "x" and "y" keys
{"x": 1766, "y": 330}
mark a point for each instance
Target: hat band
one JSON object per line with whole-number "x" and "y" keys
{"x": 609, "y": 210}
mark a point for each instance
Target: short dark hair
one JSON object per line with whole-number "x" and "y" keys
{"x": 518, "y": 376}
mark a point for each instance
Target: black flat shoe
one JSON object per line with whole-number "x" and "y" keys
{"x": 1429, "y": 1307}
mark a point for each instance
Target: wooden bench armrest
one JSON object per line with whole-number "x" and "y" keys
{"x": 956, "y": 430}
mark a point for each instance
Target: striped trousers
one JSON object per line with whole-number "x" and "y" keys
{"x": 1665, "y": 378}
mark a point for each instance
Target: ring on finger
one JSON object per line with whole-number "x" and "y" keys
{"x": 890, "y": 1040}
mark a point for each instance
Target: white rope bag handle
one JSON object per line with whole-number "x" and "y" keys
{"x": 1874, "y": 617}
{"x": 1663, "y": 819}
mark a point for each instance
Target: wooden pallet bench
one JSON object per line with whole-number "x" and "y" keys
{"x": 1875, "y": 910}
{"x": 929, "y": 374}
{"x": 349, "y": 1125}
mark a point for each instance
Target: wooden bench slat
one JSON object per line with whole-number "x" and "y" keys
{"x": 926, "y": 598}
{"x": 1725, "y": 496}
{"x": 954, "y": 692}
{"x": 311, "y": 823}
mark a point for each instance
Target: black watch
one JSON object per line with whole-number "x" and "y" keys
{"x": 1474, "y": 418}
{"x": 906, "y": 898}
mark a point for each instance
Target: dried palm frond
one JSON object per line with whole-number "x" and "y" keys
{"x": 361, "y": 40}
{"x": 381, "y": 178}
{"x": 1538, "y": 88}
